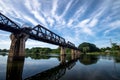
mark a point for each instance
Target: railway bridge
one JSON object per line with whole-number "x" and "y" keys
{"x": 19, "y": 35}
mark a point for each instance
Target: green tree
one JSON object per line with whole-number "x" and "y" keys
{"x": 55, "y": 50}
{"x": 4, "y": 50}
{"x": 115, "y": 46}
{"x": 88, "y": 47}
{"x": 103, "y": 49}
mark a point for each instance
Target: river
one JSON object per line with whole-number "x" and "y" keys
{"x": 54, "y": 67}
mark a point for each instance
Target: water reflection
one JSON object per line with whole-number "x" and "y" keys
{"x": 117, "y": 58}
{"x": 62, "y": 59}
{"x": 54, "y": 73}
{"x": 38, "y": 56}
{"x": 88, "y": 59}
{"x": 62, "y": 67}
{"x": 14, "y": 69}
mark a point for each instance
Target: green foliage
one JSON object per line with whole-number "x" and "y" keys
{"x": 4, "y": 50}
{"x": 88, "y": 47}
{"x": 104, "y": 49}
{"x": 38, "y": 50}
{"x": 56, "y": 51}
{"x": 115, "y": 46}
{"x": 88, "y": 59}
{"x": 39, "y": 56}
{"x": 68, "y": 50}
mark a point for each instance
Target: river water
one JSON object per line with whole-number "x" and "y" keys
{"x": 54, "y": 67}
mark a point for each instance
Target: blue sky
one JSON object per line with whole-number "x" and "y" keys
{"x": 94, "y": 21}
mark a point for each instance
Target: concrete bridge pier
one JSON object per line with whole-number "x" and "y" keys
{"x": 62, "y": 51}
{"x": 17, "y": 48}
{"x": 72, "y": 54}
{"x": 76, "y": 54}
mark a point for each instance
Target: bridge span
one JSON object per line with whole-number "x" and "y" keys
{"x": 21, "y": 34}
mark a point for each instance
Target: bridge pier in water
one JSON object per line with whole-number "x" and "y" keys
{"x": 17, "y": 48}
{"x": 75, "y": 54}
{"x": 62, "y": 51}
{"x": 72, "y": 54}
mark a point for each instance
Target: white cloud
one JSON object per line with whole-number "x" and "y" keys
{"x": 32, "y": 5}
{"x": 30, "y": 20}
{"x": 51, "y": 21}
{"x": 93, "y": 22}
{"x": 88, "y": 31}
{"x": 84, "y": 21}
{"x": 79, "y": 12}
{"x": 40, "y": 18}
{"x": 54, "y": 7}
{"x": 115, "y": 24}
{"x": 70, "y": 22}
{"x": 86, "y": 26}
{"x": 67, "y": 8}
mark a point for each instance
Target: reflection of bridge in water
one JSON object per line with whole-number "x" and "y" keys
{"x": 53, "y": 73}
{"x": 15, "y": 69}
{"x": 21, "y": 34}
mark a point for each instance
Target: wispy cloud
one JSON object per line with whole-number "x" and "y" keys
{"x": 76, "y": 20}
{"x": 115, "y": 24}
{"x": 66, "y": 8}
{"x": 54, "y": 7}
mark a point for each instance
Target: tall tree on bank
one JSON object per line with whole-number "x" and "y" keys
{"x": 88, "y": 47}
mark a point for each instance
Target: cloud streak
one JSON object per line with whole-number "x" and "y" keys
{"x": 76, "y": 20}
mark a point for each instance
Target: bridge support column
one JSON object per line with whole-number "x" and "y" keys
{"x": 17, "y": 48}
{"x": 63, "y": 51}
{"x": 72, "y": 54}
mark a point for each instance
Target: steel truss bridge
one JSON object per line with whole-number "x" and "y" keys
{"x": 38, "y": 32}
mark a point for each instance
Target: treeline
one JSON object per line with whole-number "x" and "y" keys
{"x": 114, "y": 48}
{"x": 84, "y": 47}
{"x": 89, "y": 47}
{"x": 4, "y": 50}
{"x": 40, "y": 50}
